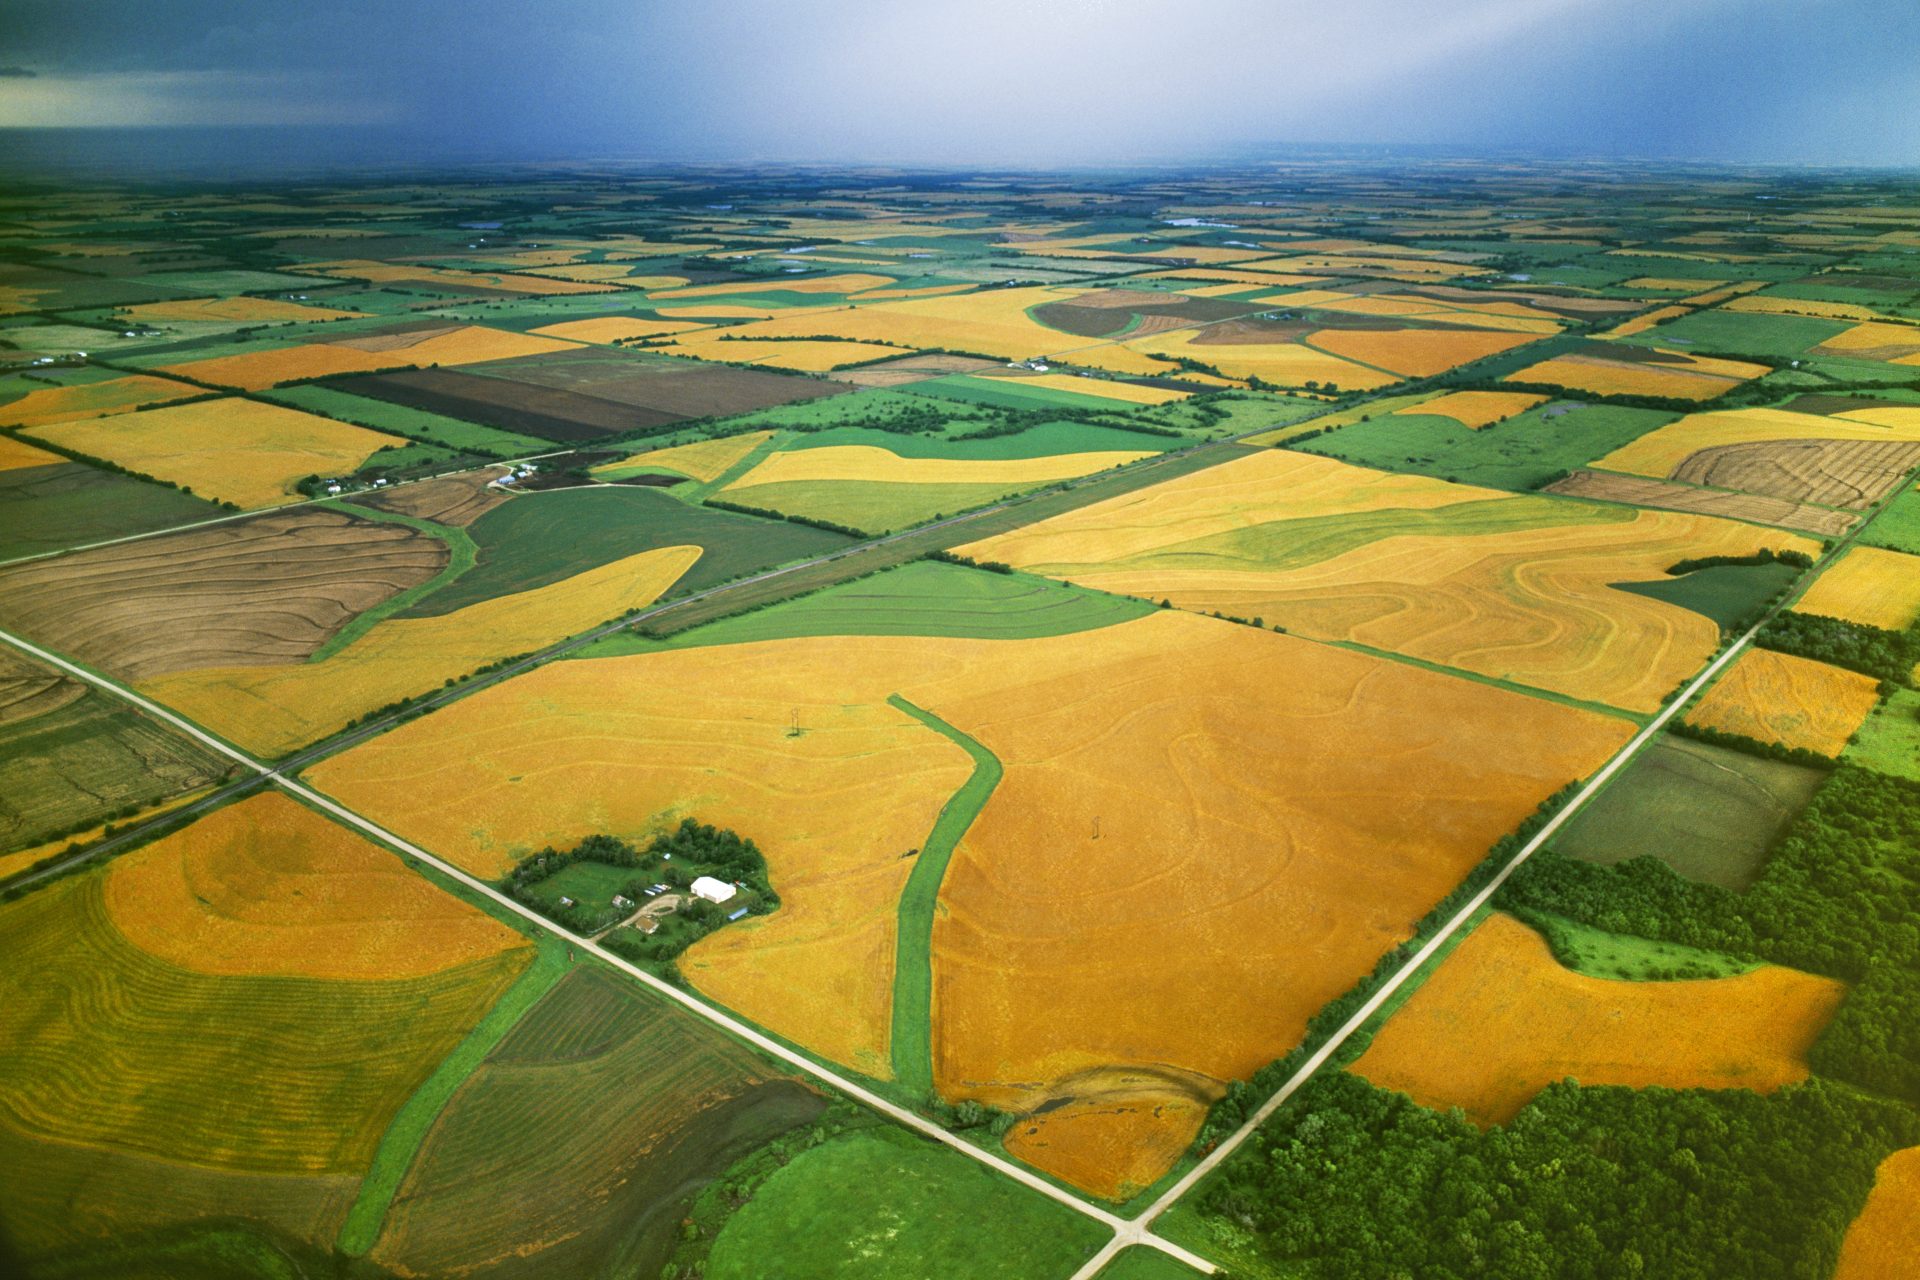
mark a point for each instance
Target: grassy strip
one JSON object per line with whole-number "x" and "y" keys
{"x": 462, "y": 554}
{"x": 701, "y": 490}
{"x": 410, "y": 1124}
{"x": 1511, "y": 686}
{"x": 913, "y": 941}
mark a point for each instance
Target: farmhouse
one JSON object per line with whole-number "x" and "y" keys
{"x": 711, "y": 889}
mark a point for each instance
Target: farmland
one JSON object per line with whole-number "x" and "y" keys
{"x": 1455, "y": 575}
{"x": 734, "y": 720}
{"x": 1501, "y": 1019}
{"x": 1709, "y": 813}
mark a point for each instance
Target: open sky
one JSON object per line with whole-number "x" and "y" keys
{"x": 995, "y": 82}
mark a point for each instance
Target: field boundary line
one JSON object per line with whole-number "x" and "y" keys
{"x": 1125, "y": 1232}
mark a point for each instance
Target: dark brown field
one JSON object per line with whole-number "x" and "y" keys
{"x": 258, "y": 592}
{"x": 450, "y": 500}
{"x": 560, "y": 416}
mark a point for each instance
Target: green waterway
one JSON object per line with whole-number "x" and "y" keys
{"x": 410, "y": 1124}
{"x": 913, "y": 943}
{"x": 461, "y": 557}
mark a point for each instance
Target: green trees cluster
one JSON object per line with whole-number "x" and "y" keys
{"x": 1840, "y": 896}
{"x": 1765, "y": 555}
{"x": 1350, "y": 1181}
{"x": 1887, "y": 655}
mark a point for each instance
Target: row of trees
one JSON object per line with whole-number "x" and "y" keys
{"x": 1888, "y": 655}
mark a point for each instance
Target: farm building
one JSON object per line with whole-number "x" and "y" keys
{"x": 711, "y": 889}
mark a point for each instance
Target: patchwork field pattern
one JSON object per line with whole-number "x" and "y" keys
{"x": 1614, "y": 369}
{"x": 1516, "y": 588}
{"x": 51, "y": 405}
{"x": 1501, "y": 1019}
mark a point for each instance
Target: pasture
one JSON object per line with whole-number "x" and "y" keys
{"x": 1709, "y": 813}
{"x": 57, "y": 504}
{"x": 1890, "y": 739}
{"x": 1618, "y": 369}
{"x": 1501, "y": 1019}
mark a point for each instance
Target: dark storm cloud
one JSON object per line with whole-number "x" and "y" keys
{"x": 1074, "y": 81}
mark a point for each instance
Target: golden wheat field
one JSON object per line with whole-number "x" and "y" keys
{"x": 240, "y": 310}
{"x": 268, "y": 887}
{"x": 852, "y": 282}
{"x": 1642, "y": 323}
{"x": 871, "y": 463}
{"x": 702, "y": 460}
{"x": 1284, "y": 364}
{"x": 1868, "y": 585}
{"x": 245, "y": 452}
{"x": 609, "y": 329}
{"x": 1501, "y": 1019}
{"x": 1885, "y": 1239}
{"x": 1788, "y": 700}
{"x": 1517, "y": 588}
{"x": 271, "y": 710}
{"x": 804, "y": 357}
{"x": 1476, "y": 409}
{"x": 16, "y": 453}
{"x": 1416, "y": 353}
{"x": 1680, "y": 377}
{"x": 49, "y": 405}
{"x": 258, "y": 370}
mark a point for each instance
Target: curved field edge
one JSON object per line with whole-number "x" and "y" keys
{"x": 461, "y": 555}
{"x": 912, "y": 1038}
{"x": 410, "y": 1124}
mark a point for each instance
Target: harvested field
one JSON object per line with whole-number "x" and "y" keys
{"x": 1885, "y": 1239}
{"x": 1476, "y": 409}
{"x": 611, "y": 329}
{"x": 258, "y": 370}
{"x": 1788, "y": 700}
{"x": 1416, "y": 353}
{"x": 265, "y": 591}
{"x": 456, "y": 501}
{"x": 1868, "y": 585}
{"x": 1894, "y": 343}
{"x": 16, "y": 454}
{"x": 1516, "y": 588}
{"x": 704, "y": 460}
{"x": 1710, "y": 813}
{"x": 853, "y": 282}
{"x": 1617, "y": 369}
{"x": 240, "y": 451}
{"x": 273, "y": 709}
{"x": 609, "y": 1200}
{"x": 1136, "y": 1126}
{"x": 112, "y": 1071}
{"x": 1501, "y": 1019}
{"x": 71, "y": 757}
{"x": 92, "y": 400}
{"x": 457, "y": 345}
{"x": 269, "y": 888}
{"x": 1853, "y": 474}
{"x": 1640, "y": 491}
{"x": 1640, "y": 324}
{"x": 1799, "y": 457}
{"x": 1281, "y": 362}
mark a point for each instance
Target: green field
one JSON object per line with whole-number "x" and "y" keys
{"x": 598, "y": 1118}
{"x": 87, "y": 760}
{"x": 1526, "y": 451}
{"x": 592, "y": 883}
{"x": 1710, "y": 813}
{"x": 1623, "y": 957}
{"x": 1889, "y": 741}
{"x": 1044, "y": 440}
{"x": 70, "y": 504}
{"x": 364, "y": 411}
{"x": 1005, "y": 393}
{"x": 540, "y": 538}
{"x": 882, "y": 1203}
{"x": 126, "y": 1114}
{"x": 919, "y": 902}
{"x": 1898, "y": 526}
{"x": 225, "y": 283}
{"x": 1741, "y": 333}
{"x": 1728, "y": 593}
{"x": 920, "y": 598}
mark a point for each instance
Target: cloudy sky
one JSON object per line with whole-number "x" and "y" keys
{"x": 1032, "y": 82}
